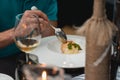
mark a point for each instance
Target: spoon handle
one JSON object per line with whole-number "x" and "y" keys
{"x": 52, "y": 26}
{"x": 34, "y": 8}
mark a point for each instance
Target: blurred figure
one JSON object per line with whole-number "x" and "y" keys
{"x": 8, "y": 10}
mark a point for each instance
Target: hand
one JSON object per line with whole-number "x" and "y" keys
{"x": 39, "y": 13}
{"x": 44, "y": 22}
{"x": 26, "y": 25}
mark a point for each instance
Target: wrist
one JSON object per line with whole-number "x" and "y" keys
{"x": 6, "y": 38}
{"x": 11, "y": 35}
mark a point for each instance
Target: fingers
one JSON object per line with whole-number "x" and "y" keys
{"x": 29, "y": 13}
{"x": 43, "y": 19}
{"x": 43, "y": 24}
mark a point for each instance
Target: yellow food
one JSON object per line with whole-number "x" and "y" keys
{"x": 70, "y": 47}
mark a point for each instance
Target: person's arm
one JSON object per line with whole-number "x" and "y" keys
{"x": 6, "y": 38}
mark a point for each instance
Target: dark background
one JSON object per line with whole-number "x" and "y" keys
{"x": 76, "y": 12}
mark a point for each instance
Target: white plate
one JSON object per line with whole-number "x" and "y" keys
{"x": 5, "y": 77}
{"x": 49, "y": 52}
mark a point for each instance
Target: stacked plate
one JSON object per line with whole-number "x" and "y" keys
{"x": 5, "y": 77}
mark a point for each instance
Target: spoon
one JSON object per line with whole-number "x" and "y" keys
{"x": 58, "y": 31}
{"x": 60, "y": 34}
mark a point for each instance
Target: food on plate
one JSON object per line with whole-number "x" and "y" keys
{"x": 70, "y": 47}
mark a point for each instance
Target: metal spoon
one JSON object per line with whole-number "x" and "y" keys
{"x": 60, "y": 34}
{"x": 58, "y": 31}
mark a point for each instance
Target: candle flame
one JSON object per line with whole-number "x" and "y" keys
{"x": 44, "y": 75}
{"x": 29, "y": 62}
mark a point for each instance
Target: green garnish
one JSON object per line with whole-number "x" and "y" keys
{"x": 70, "y": 45}
{"x": 75, "y": 45}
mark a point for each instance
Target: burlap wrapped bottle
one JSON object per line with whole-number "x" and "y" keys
{"x": 99, "y": 32}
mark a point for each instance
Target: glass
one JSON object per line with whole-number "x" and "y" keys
{"x": 27, "y": 34}
{"x": 43, "y": 72}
